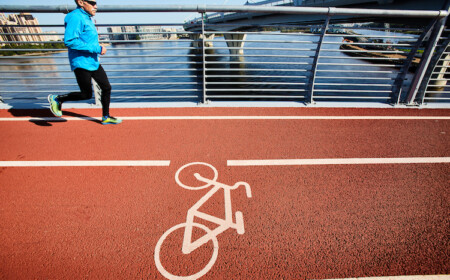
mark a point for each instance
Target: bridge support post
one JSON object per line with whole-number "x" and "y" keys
{"x": 235, "y": 43}
{"x": 198, "y": 40}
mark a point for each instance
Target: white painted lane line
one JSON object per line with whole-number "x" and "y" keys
{"x": 85, "y": 163}
{"x": 288, "y": 118}
{"x": 336, "y": 161}
{"x": 237, "y": 118}
{"x": 49, "y": 119}
{"x": 407, "y": 277}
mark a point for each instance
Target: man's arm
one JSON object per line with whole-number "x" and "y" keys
{"x": 72, "y": 37}
{"x": 103, "y": 49}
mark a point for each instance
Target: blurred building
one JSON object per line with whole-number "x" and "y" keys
{"x": 122, "y": 33}
{"x": 150, "y": 29}
{"x": 171, "y": 35}
{"x": 127, "y": 30}
{"x": 52, "y": 36}
{"x": 141, "y": 33}
{"x": 23, "y": 23}
{"x": 115, "y": 33}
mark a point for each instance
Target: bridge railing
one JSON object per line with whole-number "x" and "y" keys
{"x": 311, "y": 65}
{"x": 141, "y": 66}
{"x": 245, "y": 61}
{"x": 434, "y": 87}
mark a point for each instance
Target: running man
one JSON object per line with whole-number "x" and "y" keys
{"x": 81, "y": 38}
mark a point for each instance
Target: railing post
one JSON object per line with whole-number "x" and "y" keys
{"x": 398, "y": 84}
{"x": 203, "y": 36}
{"x": 425, "y": 61}
{"x": 312, "y": 78}
{"x": 97, "y": 93}
{"x": 437, "y": 76}
{"x": 435, "y": 60}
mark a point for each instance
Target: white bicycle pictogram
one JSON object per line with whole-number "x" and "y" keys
{"x": 211, "y": 235}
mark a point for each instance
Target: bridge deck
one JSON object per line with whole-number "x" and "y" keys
{"x": 314, "y": 213}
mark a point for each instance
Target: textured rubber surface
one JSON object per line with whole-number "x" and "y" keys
{"x": 302, "y": 221}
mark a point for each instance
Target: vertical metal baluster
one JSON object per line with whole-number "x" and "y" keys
{"x": 398, "y": 84}
{"x": 434, "y": 62}
{"x": 203, "y": 59}
{"x": 312, "y": 78}
{"x": 424, "y": 63}
{"x": 97, "y": 93}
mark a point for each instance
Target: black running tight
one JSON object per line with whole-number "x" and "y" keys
{"x": 84, "y": 82}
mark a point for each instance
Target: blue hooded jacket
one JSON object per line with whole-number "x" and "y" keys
{"x": 81, "y": 38}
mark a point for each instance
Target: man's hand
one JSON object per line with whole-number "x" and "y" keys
{"x": 103, "y": 49}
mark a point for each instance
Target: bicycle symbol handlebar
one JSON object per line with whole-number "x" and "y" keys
{"x": 235, "y": 186}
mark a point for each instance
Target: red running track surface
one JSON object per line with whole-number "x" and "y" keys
{"x": 302, "y": 222}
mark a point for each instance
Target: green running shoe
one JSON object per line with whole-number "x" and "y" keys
{"x": 55, "y": 105}
{"x": 110, "y": 120}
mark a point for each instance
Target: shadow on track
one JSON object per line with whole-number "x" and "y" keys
{"x": 43, "y": 117}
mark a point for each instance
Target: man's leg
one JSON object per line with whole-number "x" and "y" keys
{"x": 102, "y": 80}
{"x": 84, "y": 82}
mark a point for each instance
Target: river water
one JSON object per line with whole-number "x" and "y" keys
{"x": 274, "y": 65}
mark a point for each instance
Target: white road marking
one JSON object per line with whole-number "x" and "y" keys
{"x": 408, "y": 277}
{"x": 36, "y": 119}
{"x": 58, "y": 163}
{"x": 286, "y": 117}
{"x": 258, "y": 162}
{"x": 335, "y": 161}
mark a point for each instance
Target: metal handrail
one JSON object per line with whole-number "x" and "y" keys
{"x": 228, "y": 8}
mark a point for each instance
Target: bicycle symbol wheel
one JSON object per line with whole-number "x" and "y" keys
{"x": 197, "y": 275}
{"x": 181, "y": 184}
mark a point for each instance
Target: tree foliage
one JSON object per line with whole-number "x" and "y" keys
{"x": 33, "y": 48}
